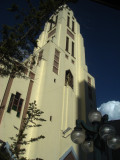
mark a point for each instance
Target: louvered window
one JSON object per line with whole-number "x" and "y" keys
{"x": 73, "y": 49}
{"x": 56, "y": 61}
{"x": 67, "y": 44}
{"x": 73, "y": 26}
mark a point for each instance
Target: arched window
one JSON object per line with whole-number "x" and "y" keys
{"x": 69, "y": 78}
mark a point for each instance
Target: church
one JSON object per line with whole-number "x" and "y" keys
{"x": 60, "y": 84}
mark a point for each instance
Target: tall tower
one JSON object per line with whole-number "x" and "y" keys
{"x": 61, "y": 85}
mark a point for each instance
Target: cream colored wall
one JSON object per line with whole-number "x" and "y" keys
{"x": 61, "y": 102}
{"x": 10, "y": 120}
{"x": 3, "y": 84}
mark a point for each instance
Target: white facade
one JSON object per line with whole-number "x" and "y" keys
{"x": 60, "y": 84}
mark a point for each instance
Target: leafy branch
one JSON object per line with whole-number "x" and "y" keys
{"x": 19, "y": 40}
{"x": 32, "y": 120}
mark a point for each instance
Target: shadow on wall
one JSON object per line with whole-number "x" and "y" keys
{"x": 86, "y": 102}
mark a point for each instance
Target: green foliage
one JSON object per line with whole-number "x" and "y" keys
{"x": 18, "y": 40}
{"x": 20, "y": 140}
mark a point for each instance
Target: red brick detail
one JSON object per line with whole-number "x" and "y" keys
{"x": 51, "y": 33}
{"x": 5, "y": 97}
{"x": 70, "y": 34}
{"x": 32, "y": 75}
{"x": 27, "y": 101}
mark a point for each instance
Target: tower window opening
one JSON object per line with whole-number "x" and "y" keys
{"x": 73, "y": 49}
{"x": 51, "y": 23}
{"x": 69, "y": 79}
{"x": 73, "y": 26}
{"x": 68, "y": 21}
{"x": 50, "y": 26}
{"x": 56, "y": 62}
{"x": 67, "y": 44}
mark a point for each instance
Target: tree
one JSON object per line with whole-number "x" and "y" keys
{"x": 21, "y": 140}
{"x": 18, "y": 41}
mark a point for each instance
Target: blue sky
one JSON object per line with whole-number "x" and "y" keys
{"x": 100, "y": 28}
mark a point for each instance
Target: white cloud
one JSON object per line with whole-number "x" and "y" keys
{"x": 112, "y": 108}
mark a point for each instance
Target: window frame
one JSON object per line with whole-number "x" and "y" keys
{"x": 16, "y": 107}
{"x": 67, "y": 44}
{"x": 73, "y": 26}
{"x": 68, "y": 21}
{"x": 56, "y": 61}
{"x": 73, "y": 48}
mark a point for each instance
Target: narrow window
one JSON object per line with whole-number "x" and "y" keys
{"x": 56, "y": 62}
{"x": 51, "y": 23}
{"x": 56, "y": 20}
{"x": 50, "y": 26}
{"x": 19, "y": 107}
{"x": 68, "y": 21}
{"x": 73, "y": 49}
{"x": 67, "y": 44}
{"x": 73, "y": 26}
{"x": 16, "y": 101}
{"x": 10, "y": 103}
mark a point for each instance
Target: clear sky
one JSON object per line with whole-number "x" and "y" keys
{"x": 100, "y": 28}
